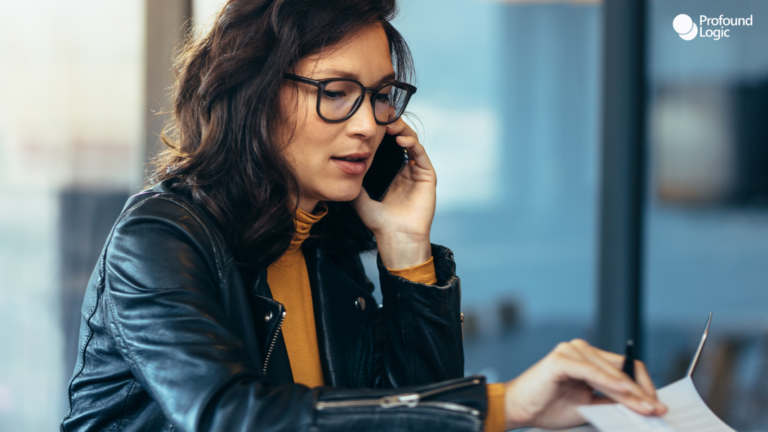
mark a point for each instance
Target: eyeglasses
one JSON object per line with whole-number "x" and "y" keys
{"x": 339, "y": 98}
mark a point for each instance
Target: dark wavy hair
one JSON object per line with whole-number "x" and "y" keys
{"x": 226, "y": 111}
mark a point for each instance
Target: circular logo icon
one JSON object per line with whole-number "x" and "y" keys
{"x": 685, "y": 27}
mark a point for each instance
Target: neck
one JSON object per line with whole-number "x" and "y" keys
{"x": 308, "y": 204}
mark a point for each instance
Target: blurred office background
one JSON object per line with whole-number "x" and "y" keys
{"x": 509, "y": 109}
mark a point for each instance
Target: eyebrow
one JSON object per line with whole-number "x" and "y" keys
{"x": 345, "y": 74}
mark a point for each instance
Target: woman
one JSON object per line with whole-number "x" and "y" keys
{"x": 231, "y": 296}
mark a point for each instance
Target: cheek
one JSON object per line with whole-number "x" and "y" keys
{"x": 310, "y": 150}
{"x": 300, "y": 126}
{"x": 309, "y": 155}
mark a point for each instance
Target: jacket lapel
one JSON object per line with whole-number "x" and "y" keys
{"x": 340, "y": 317}
{"x": 268, "y": 311}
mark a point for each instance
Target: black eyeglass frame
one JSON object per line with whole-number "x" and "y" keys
{"x": 320, "y": 84}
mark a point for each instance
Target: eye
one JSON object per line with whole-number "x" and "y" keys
{"x": 383, "y": 97}
{"x": 334, "y": 94}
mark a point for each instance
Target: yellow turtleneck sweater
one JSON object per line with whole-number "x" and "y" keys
{"x": 289, "y": 282}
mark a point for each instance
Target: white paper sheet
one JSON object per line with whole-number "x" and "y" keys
{"x": 585, "y": 428}
{"x": 687, "y": 412}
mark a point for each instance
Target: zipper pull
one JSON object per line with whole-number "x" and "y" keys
{"x": 409, "y": 400}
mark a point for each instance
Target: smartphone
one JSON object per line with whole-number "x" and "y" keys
{"x": 387, "y": 163}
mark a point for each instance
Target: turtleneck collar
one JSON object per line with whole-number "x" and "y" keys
{"x": 303, "y": 222}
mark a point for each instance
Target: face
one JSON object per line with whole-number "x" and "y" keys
{"x": 318, "y": 148}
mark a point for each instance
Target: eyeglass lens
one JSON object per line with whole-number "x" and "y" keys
{"x": 340, "y": 97}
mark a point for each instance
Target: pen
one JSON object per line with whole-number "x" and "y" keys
{"x": 629, "y": 360}
{"x": 699, "y": 348}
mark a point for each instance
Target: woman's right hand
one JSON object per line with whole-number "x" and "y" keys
{"x": 548, "y": 393}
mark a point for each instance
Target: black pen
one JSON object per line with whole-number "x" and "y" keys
{"x": 629, "y": 360}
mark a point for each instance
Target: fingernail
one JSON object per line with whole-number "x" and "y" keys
{"x": 648, "y": 407}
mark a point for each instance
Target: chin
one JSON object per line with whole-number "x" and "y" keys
{"x": 346, "y": 192}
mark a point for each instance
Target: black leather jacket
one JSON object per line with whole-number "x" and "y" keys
{"x": 176, "y": 336}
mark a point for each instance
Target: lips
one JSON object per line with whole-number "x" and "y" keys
{"x": 350, "y": 166}
{"x": 352, "y": 163}
{"x": 358, "y": 155}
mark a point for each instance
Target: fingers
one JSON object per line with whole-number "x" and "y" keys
{"x": 617, "y": 361}
{"x": 644, "y": 379}
{"x": 417, "y": 155}
{"x": 581, "y": 361}
{"x": 407, "y": 138}
{"x": 400, "y": 127}
{"x": 614, "y": 359}
{"x": 616, "y": 389}
{"x": 607, "y": 362}
{"x": 595, "y": 356}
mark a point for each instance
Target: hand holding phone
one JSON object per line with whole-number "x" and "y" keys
{"x": 402, "y": 172}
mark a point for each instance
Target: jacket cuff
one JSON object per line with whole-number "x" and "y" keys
{"x": 444, "y": 266}
{"x": 422, "y": 273}
{"x": 424, "y": 321}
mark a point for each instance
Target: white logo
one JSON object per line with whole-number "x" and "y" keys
{"x": 688, "y": 30}
{"x": 685, "y": 27}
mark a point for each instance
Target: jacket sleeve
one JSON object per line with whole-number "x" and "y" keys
{"x": 417, "y": 330}
{"x": 164, "y": 316}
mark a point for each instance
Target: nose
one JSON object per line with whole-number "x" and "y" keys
{"x": 364, "y": 120}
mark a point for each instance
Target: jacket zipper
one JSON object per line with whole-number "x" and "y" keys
{"x": 409, "y": 400}
{"x": 272, "y": 342}
{"x": 277, "y": 329}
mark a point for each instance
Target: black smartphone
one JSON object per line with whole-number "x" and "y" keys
{"x": 387, "y": 163}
